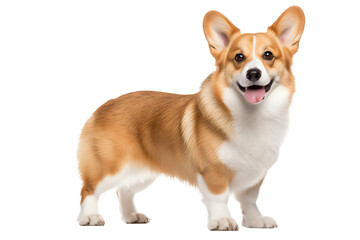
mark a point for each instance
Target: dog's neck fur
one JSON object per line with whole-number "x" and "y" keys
{"x": 211, "y": 105}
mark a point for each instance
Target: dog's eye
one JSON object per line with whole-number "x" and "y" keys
{"x": 239, "y": 57}
{"x": 268, "y": 55}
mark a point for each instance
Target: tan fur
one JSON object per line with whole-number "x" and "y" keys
{"x": 177, "y": 135}
{"x": 145, "y": 128}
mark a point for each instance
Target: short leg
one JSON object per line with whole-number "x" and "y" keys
{"x": 126, "y": 198}
{"x": 89, "y": 214}
{"x": 252, "y": 218}
{"x": 216, "y": 204}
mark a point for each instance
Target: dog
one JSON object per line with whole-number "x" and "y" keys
{"x": 221, "y": 140}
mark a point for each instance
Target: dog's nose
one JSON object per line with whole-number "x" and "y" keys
{"x": 253, "y": 74}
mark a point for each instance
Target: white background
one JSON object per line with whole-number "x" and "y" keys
{"x": 60, "y": 60}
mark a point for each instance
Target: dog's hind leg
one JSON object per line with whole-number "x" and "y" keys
{"x": 126, "y": 198}
{"x": 89, "y": 215}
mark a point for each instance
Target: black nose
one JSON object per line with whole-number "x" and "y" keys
{"x": 253, "y": 74}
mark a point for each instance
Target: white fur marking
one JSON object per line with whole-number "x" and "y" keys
{"x": 259, "y": 131}
{"x": 89, "y": 206}
{"x": 127, "y": 207}
{"x": 129, "y": 175}
{"x": 89, "y": 214}
{"x": 219, "y": 215}
{"x": 254, "y": 45}
{"x": 187, "y": 123}
{"x": 251, "y": 215}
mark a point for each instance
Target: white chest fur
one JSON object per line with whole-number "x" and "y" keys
{"x": 259, "y": 130}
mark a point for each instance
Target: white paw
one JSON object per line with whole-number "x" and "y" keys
{"x": 136, "y": 218}
{"x": 223, "y": 224}
{"x": 92, "y": 220}
{"x": 259, "y": 222}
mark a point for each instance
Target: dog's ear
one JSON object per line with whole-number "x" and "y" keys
{"x": 289, "y": 28}
{"x": 218, "y": 31}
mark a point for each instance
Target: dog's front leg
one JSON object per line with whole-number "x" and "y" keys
{"x": 216, "y": 204}
{"x": 252, "y": 218}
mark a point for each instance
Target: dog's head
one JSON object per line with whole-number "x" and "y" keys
{"x": 255, "y": 63}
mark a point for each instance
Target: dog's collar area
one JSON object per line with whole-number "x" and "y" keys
{"x": 266, "y": 87}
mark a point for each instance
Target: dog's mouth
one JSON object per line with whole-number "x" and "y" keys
{"x": 255, "y": 93}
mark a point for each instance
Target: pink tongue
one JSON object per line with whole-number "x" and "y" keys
{"x": 254, "y": 95}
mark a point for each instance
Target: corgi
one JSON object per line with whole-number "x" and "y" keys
{"x": 221, "y": 140}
